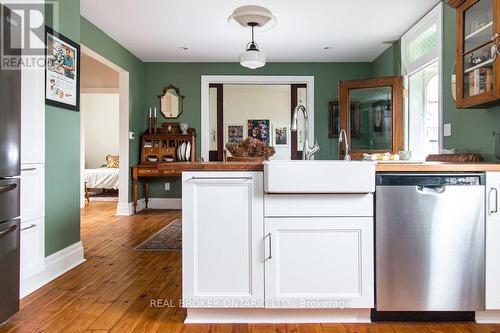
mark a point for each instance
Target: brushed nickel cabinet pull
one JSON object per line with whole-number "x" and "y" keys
{"x": 28, "y": 169}
{"x": 494, "y": 211}
{"x": 30, "y": 227}
{"x": 270, "y": 236}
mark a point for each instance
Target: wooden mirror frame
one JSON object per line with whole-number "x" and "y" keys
{"x": 181, "y": 100}
{"x": 396, "y": 84}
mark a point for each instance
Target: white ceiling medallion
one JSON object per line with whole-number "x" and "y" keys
{"x": 256, "y": 18}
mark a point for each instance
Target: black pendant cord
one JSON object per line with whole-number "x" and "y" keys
{"x": 252, "y": 35}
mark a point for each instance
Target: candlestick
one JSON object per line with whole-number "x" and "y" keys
{"x": 155, "y": 111}
{"x": 150, "y": 113}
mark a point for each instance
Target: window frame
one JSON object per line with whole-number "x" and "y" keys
{"x": 435, "y": 16}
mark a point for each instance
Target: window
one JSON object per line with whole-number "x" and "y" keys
{"x": 421, "y": 55}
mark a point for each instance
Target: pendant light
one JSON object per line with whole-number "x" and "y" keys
{"x": 252, "y": 58}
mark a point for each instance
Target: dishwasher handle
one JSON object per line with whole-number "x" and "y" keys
{"x": 433, "y": 189}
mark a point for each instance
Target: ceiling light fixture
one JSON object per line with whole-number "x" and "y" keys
{"x": 244, "y": 15}
{"x": 252, "y": 58}
{"x": 257, "y": 18}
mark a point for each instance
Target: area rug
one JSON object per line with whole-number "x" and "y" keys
{"x": 167, "y": 239}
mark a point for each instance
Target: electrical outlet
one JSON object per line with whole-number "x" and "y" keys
{"x": 447, "y": 129}
{"x": 167, "y": 186}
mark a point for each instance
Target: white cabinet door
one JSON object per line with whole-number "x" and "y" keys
{"x": 222, "y": 251}
{"x": 32, "y": 247}
{"x": 319, "y": 262}
{"x": 493, "y": 241}
{"x": 32, "y": 191}
{"x": 33, "y": 116}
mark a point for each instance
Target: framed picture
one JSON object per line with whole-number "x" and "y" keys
{"x": 281, "y": 136}
{"x": 234, "y": 133}
{"x": 334, "y": 119}
{"x": 62, "y": 73}
{"x": 259, "y": 129}
{"x": 381, "y": 116}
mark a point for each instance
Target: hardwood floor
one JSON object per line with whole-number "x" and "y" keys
{"x": 112, "y": 290}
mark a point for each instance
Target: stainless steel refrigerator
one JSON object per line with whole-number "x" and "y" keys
{"x": 10, "y": 142}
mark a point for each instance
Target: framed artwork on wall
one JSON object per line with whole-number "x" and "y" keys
{"x": 234, "y": 133}
{"x": 62, "y": 73}
{"x": 281, "y": 138}
{"x": 259, "y": 129}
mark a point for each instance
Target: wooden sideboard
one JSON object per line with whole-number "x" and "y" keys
{"x": 175, "y": 169}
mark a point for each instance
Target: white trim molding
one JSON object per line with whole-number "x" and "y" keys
{"x": 206, "y": 80}
{"x": 488, "y": 317}
{"x": 55, "y": 265}
{"x": 154, "y": 203}
{"x": 277, "y": 316}
{"x": 124, "y": 92}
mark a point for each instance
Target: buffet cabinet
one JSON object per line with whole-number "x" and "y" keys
{"x": 477, "y": 50}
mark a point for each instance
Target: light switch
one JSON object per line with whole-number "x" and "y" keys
{"x": 131, "y": 135}
{"x": 447, "y": 129}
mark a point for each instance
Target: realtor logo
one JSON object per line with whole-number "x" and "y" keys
{"x": 22, "y": 32}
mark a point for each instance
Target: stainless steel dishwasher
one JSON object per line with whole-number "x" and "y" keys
{"x": 430, "y": 242}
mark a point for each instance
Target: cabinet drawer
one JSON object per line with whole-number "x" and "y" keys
{"x": 317, "y": 205}
{"x": 32, "y": 191}
{"x": 32, "y": 247}
{"x": 148, "y": 172}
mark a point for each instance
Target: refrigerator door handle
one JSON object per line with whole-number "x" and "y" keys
{"x": 7, "y": 231}
{"x": 7, "y": 188}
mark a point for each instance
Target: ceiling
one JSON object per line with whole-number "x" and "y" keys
{"x": 154, "y": 30}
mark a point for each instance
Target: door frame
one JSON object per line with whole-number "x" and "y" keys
{"x": 122, "y": 207}
{"x": 206, "y": 80}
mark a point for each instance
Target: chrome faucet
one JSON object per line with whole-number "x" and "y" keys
{"x": 308, "y": 151}
{"x": 343, "y": 139}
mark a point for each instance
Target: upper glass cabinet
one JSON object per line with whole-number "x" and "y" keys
{"x": 477, "y": 51}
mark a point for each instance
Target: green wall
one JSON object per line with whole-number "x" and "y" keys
{"x": 471, "y": 129}
{"x": 187, "y": 76}
{"x": 62, "y": 155}
{"x": 95, "y": 39}
{"x": 388, "y": 63}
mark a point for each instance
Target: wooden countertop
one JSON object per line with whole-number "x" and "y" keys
{"x": 437, "y": 167}
{"x": 212, "y": 166}
{"x": 381, "y": 167}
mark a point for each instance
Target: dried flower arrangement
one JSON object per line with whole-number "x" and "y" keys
{"x": 250, "y": 147}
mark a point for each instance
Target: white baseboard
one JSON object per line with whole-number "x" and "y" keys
{"x": 277, "y": 316}
{"x": 488, "y": 317}
{"x": 55, "y": 265}
{"x": 165, "y": 203}
{"x": 154, "y": 203}
{"x": 123, "y": 209}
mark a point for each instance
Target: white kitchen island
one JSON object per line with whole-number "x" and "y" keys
{"x": 294, "y": 247}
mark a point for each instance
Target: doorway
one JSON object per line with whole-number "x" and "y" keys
{"x": 105, "y": 118}
{"x": 231, "y": 105}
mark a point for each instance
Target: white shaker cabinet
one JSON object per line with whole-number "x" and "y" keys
{"x": 33, "y": 116}
{"x": 319, "y": 262}
{"x": 493, "y": 241}
{"x": 32, "y": 191}
{"x": 222, "y": 248}
{"x": 32, "y": 173}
